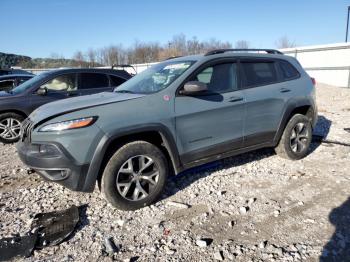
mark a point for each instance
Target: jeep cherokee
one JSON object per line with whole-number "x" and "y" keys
{"x": 178, "y": 114}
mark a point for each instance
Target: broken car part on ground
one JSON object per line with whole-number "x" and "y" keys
{"x": 47, "y": 229}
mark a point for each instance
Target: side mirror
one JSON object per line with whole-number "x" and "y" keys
{"x": 42, "y": 91}
{"x": 194, "y": 87}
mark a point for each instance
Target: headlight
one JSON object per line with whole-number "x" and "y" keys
{"x": 70, "y": 124}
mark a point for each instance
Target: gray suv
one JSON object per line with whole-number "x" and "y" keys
{"x": 178, "y": 114}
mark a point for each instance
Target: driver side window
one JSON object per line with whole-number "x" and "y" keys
{"x": 220, "y": 78}
{"x": 62, "y": 83}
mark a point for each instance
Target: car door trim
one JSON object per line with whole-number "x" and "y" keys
{"x": 222, "y": 155}
{"x": 211, "y": 151}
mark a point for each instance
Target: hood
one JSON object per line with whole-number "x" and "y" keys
{"x": 4, "y": 94}
{"x": 77, "y": 103}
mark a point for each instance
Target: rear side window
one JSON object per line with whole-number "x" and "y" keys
{"x": 116, "y": 81}
{"x": 92, "y": 80}
{"x": 287, "y": 70}
{"x": 259, "y": 73}
{"x": 205, "y": 75}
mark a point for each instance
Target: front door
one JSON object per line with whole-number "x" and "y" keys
{"x": 59, "y": 87}
{"x": 212, "y": 122}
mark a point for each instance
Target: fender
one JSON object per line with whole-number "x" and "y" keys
{"x": 289, "y": 108}
{"x": 100, "y": 151}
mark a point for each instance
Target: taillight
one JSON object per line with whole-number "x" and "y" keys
{"x": 313, "y": 80}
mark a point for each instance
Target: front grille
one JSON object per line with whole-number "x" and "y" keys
{"x": 26, "y": 130}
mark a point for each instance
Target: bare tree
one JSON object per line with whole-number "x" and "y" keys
{"x": 99, "y": 56}
{"x": 91, "y": 55}
{"x": 113, "y": 55}
{"x": 146, "y": 52}
{"x": 215, "y": 44}
{"x": 242, "y": 44}
{"x": 109, "y": 55}
{"x": 194, "y": 46}
{"x": 78, "y": 57}
{"x": 143, "y": 52}
{"x": 285, "y": 42}
{"x": 179, "y": 44}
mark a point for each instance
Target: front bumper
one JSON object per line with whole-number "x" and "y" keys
{"x": 54, "y": 163}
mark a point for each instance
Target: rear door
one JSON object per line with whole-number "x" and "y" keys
{"x": 211, "y": 123}
{"x": 266, "y": 96}
{"x": 58, "y": 87}
{"x": 92, "y": 83}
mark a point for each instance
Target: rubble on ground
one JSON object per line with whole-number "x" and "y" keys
{"x": 253, "y": 207}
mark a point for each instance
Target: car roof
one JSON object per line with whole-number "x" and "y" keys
{"x": 227, "y": 54}
{"x": 243, "y": 54}
{"x": 121, "y": 73}
{"x": 14, "y": 71}
{"x": 15, "y": 76}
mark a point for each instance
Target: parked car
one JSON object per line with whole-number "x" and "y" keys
{"x": 8, "y": 82}
{"x": 177, "y": 114}
{"x": 18, "y": 103}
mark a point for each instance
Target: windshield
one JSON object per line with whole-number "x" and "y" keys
{"x": 28, "y": 84}
{"x": 155, "y": 78}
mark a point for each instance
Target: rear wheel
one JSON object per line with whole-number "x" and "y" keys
{"x": 135, "y": 176}
{"x": 10, "y": 127}
{"x": 296, "y": 138}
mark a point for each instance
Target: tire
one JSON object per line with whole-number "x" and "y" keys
{"x": 124, "y": 177}
{"x": 10, "y": 126}
{"x": 296, "y": 138}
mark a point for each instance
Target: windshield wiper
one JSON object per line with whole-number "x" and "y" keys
{"x": 124, "y": 91}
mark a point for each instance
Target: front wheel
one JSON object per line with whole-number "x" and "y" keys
{"x": 135, "y": 176}
{"x": 10, "y": 127}
{"x": 296, "y": 138}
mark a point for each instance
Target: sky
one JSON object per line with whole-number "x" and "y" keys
{"x": 40, "y": 28}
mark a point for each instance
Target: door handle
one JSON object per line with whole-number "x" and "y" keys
{"x": 284, "y": 90}
{"x": 235, "y": 99}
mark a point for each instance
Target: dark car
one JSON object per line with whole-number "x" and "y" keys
{"x": 8, "y": 82}
{"x": 18, "y": 103}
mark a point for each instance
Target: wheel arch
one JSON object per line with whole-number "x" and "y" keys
{"x": 156, "y": 134}
{"x": 15, "y": 111}
{"x": 302, "y": 107}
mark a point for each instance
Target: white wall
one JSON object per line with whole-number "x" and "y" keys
{"x": 329, "y": 64}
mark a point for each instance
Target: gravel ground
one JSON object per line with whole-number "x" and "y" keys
{"x": 253, "y": 207}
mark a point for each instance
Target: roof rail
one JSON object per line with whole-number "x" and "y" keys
{"x": 172, "y": 57}
{"x": 123, "y": 67}
{"x": 221, "y": 51}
